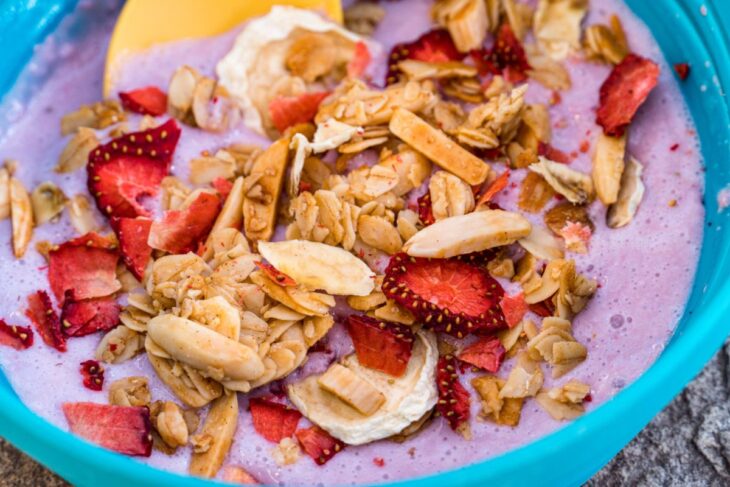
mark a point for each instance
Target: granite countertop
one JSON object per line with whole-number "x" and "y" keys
{"x": 688, "y": 444}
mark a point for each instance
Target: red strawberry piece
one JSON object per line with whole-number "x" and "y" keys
{"x": 682, "y": 70}
{"x": 543, "y": 309}
{"x": 435, "y": 46}
{"x": 286, "y": 111}
{"x": 223, "y": 186}
{"x": 514, "y": 308}
{"x": 319, "y": 444}
{"x": 276, "y": 275}
{"x": 381, "y": 345}
{"x": 149, "y": 100}
{"x": 453, "y": 403}
{"x": 487, "y": 353}
{"x": 17, "y": 337}
{"x": 86, "y": 265}
{"x": 133, "y": 234}
{"x": 40, "y": 311}
{"x": 93, "y": 374}
{"x": 124, "y": 429}
{"x": 360, "y": 60}
{"x": 550, "y": 152}
{"x": 449, "y": 295}
{"x": 87, "y": 316}
{"x": 181, "y": 231}
{"x": 425, "y": 210}
{"x": 507, "y": 57}
{"x": 624, "y": 91}
{"x": 129, "y": 168}
{"x": 272, "y": 420}
{"x": 379, "y": 462}
{"x": 495, "y": 188}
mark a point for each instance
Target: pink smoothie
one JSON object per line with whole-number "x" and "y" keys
{"x": 645, "y": 270}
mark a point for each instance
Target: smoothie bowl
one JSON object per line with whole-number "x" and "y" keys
{"x": 452, "y": 241}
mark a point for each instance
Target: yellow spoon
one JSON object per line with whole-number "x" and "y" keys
{"x": 143, "y": 23}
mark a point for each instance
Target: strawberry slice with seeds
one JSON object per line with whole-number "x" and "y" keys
{"x": 287, "y": 111}
{"x": 276, "y": 275}
{"x": 360, "y": 60}
{"x": 319, "y": 444}
{"x": 486, "y": 353}
{"x": 272, "y": 420}
{"x": 87, "y": 316}
{"x": 149, "y": 100}
{"x": 507, "y": 56}
{"x": 425, "y": 209}
{"x": 17, "y": 337}
{"x": 133, "y": 234}
{"x": 123, "y": 429}
{"x": 544, "y": 308}
{"x": 129, "y": 168}
{"x": 624, "y": 91}
{"x": 381, "y": 345}
{"x": 41, "y": 313}
{"x": 181, "y": 231}
{"x": 93, "y": 374}
{"x": 494, "y": 189}
{"x": 454, "y": 400}
{"x": 435, "y": 46}
{"x": 514, "y": 308}
{"x": 86, "y": 265}
{"x": 449, "y": 295}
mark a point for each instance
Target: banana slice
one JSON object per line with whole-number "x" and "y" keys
{"x": 355, "y": 391}
{"x": 469, "y": 233}
{"x": 316, "y": 265}
{"x": 407, "y": 398}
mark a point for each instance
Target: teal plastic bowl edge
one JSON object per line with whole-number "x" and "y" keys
{"x": 693, "y": 31}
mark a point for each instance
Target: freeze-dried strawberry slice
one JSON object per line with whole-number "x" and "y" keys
{"x": 286, "y": 111}
{"x": 181, "y": 231}
{"x": 133, "y": 234}
{"x": 543, "y": 309}
{"x": 507, "y": 57}
{"x": 453, "y": 403}
{"x": 124, "y": 429}
{"x": 275, "y": 274}
{"x": 223, "y": 186}
{"x": 86, "y": 265}
{"x": 487, "y": 353}
{"x": 381, "y": 345}
{"x": 149, "y": 100}
{"x": 550, "y": 152}
{"x": 425, "y": 209}
{"x": 498, "y": 185}
{"x": 514, "y": 308}
{"x": 126, "y": 169}
{"x": 93, "y": 374}
{"x": 40, "y": 311}
{"x": 360, "y": 60}
{"x": 449, "y": 295}
{"x": 87, "y": 316}
{"x": 435, "y": 46}
{"x": 624, "y": 91}
{"x": 17, "y": 337}
{"x": 319, "y": 444}
{"x": 682, "y": 70}
{"x": 272, "y": 420}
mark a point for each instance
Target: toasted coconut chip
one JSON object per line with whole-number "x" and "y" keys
{"x": 21, "y": 213}
{"x": 510, "y": 337}
{"x": 450, "y": 196}
{"x": 555, "y": 344}
{"x": 542, "y": 244}
{"x": 422, "y": 70}
{"x": 606, "y": 43}
{"x": 573, "y": 391}
{"x": 562, "y": 214}
{"x": 48, "y": 202}
{"x": 575, "y": 186}
{"x": 575, "y": 291}
{"x": 547, "y": 285}
{"x": 220, "y": 426}
{"x": 524, "y": 380}
{"x": 503, "y": 411}
{"x": 76, "y": 153}
{"x": 466, "y": 20}
{"x": 206, "y": 169}
{"x": 96, "y": 116}
{"x": 608, "y": 166}
{"x": 546, "y": 71}
{"x": 363, "y": 17}
{"x": 559, "y": 410}
{"x": 630, "y": 195}
{"x": 535, "y": 193}
{"x": 130, "y": 391}
{"x": 557, "y": 26}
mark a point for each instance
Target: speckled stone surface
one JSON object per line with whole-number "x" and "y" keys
{"x": 687, "y": 445}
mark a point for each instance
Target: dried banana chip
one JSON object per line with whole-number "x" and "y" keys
{"x": 608, "y": 166}
{"x": 21, "y": 215}
{"x": 575, "y": 186}
{"x": 629, "y": 198}
{"x": 48, "y": 202}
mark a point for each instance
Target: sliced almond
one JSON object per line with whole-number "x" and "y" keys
{"x": 352, "y": 389}
{"x": 320, "y": 266}
{"x": 469, "y": 233}
{"x": 574, "y": 185}
{"x": 21, "y": 214}
{"x": 48, "y": 202}
{"x": 220, "y": 426}
{"x": 437, "y": 146}
{"x": 542, "y": 244}
{"x": 629, "y": 198}
{"x": 608, "y": 166}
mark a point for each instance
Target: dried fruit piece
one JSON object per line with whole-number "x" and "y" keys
{"x": 524, "y": 380}
{"x": 126, "y": 169}
{"x": 130, "y": 391}
{"x": 435, "y": 46}
{"x": 21, "y": 215}
{"x": 447, "y": 294}
{"x": 126, "y": 430}
{"x": 133, "y": 234}
{"x": 93, "y": 374}
{"x": 454, "y": 400}
{"x": 505, "y": 411}
{"x": 608, "y": 166}
{"x": 497, "y": 186}
{"x": 624, "y": 91}
{"x": 557, "y": 217}
{"x": 682, "y": 70}
{"x": 506, "y": 57}
{"x": 149, "y": 100}
{"x": 381, "y": 345}
{"x": 318, "y": 444}
{"x": 48, "y": 202}
{"x": 272, "y": 420}
{"x": 425, "y": 209}
{"x": 576, "y": 236}
{"x": 557, "y": 26}
{"x": 85, "y": 265}
{"x": 87, "y": 316}
{"x": 182, "y": 231}
{"x": 535, "y": 193}
{"x": 575, "y": 186}
{"x": 514, "y": 308}
{"x": 352, "y": 389}
{"x": 630, "y": 195}
{"x": 276, "y": 275}
{"x": 17, "y": 337}
{"x": 219, "y": 426}
{"x": 360, "y": 60}
{"x": 41, "y": 313}
{"x": 287, "y": 111}
{"x": 486, "y": 353}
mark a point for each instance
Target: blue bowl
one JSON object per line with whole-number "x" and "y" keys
{"x": 694, "y": 31}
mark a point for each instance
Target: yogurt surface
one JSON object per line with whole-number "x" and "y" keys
{"x": 644, "y": 270}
